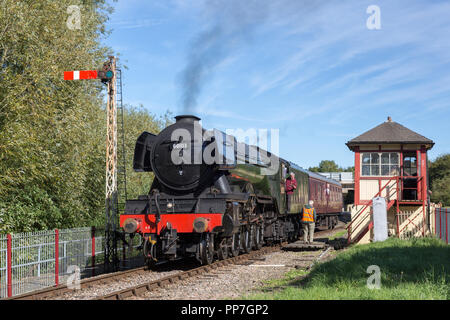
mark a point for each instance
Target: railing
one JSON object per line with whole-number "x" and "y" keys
{"x": 397, "y": 190}
{"x": 343, "y": 177}
{"x": 419, "y": 180}
{"x": 442, "y": 223}
{"x": 350, "y": 226}
{"x": 3, "y": 266}
{"x": 409, "y": 217}
{"x": 35, "y": 260}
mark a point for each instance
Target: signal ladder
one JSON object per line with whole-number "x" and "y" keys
{"x": 121, "y": 160}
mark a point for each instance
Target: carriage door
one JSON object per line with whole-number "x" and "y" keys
{"x": 283, "y": 173}
{"x": 327, "y": 196}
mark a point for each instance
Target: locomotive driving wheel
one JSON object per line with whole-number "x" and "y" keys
{"x": 247, "y": 239}
{"x": 235, "y": 244}
{"x": 206, "y": 249}
{"x": 222, "y": 250}
{"x": 259, "y": 236}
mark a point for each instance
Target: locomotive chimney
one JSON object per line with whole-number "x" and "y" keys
{"x": 187, "y": 119}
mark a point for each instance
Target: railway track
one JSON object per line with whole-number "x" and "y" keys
{"x": 146, "y": 286}
{"x": 233, "y": 281}
{"x": 107, "y": 279}
{"x": 60, "y": 290}
{"x": 163, "y": 282}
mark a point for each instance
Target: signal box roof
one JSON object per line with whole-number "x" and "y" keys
{"x": 390, "y": 132}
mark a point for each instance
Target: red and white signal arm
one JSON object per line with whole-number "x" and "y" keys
{"x": 80, "y": 75}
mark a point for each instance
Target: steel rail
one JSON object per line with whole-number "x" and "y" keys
{"x": 163, "y": 282}
{"x": 84, "y": 283}
{"x": 140, "y": 289}
{"x": 59, "y": 290}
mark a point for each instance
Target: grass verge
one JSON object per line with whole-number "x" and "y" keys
{"x": 338, "y": 234}
{"x": 409, "y": 269}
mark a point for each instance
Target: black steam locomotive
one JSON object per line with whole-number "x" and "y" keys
{"x": 215, "y": 197}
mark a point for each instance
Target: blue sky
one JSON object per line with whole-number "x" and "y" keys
{"x": 314, "y": 71}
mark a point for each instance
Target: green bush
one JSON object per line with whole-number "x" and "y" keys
{"x": 53, "y": 132}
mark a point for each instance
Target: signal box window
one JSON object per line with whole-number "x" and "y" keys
{"x": 409, "y": 165}
{"x": 380, "y": 164}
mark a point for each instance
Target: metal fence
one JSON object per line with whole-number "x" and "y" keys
{"x": 35, "y": 260}
{"x": 343, "y": 177}
{"x": 3, "y": 264}
{"x": 442, "y": 223}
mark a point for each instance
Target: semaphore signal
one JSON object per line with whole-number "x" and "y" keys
{"x": 105, "y": 74}
{"x": 80, "y": 75}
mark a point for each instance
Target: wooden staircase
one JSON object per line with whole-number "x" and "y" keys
{"x": 362, "y": 221}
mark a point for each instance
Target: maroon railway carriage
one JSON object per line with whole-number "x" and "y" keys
{"x": 327, "y": 196}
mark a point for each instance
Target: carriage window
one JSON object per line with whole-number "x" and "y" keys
{"x": 284, "y": 171}
{"x": 380, "y": 164}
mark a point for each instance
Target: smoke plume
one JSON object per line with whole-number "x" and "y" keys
{"x": 231, "y": 25}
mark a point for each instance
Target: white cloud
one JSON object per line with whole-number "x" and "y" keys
{"x": 135, "y": 24}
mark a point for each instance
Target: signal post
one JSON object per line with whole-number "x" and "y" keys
{"x": 111, "y": 259}
{"x": 108, "y": 76}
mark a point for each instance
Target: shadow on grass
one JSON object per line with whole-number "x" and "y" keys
{"x": 415, "y": 261}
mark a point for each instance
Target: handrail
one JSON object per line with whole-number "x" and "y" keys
{"x": 394, "y": 190}
{"x": 362, "y": 219}
{"x": 396, "y": 178}
{"x": 419, "y": 179}
{"x": 409, "y": 177}
{"x": 411, "y": 221}
{"x": 370, "y": 202}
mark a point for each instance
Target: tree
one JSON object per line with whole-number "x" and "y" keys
{"x": 439, "y": 174}
{"x": 137, "y": 120}
{"x": 439, "y": 168}
{"x": 330, "y": 166}
{"x": 441, "y": 191}
{"x": 52, "y": 132}
{"x": 349, "y": 169}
